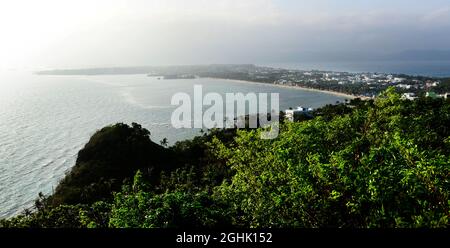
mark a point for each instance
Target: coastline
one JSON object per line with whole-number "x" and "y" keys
{"x": 294, "y": 87}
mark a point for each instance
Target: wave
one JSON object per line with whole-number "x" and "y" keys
{"x": 130, "y": 99}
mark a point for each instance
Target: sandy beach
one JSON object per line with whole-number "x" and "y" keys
{"x": 297, "y": 88}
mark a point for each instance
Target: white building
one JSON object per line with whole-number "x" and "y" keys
{"x": 432, "y": 84}
{"x": 403, "y": 86}
{"x": 290, "y": 114}
{"x": 399, "y": 80}
{"x": 409, "y": 96}
{"x": 445, "y": 95}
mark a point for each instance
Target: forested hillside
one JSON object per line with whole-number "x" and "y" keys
{"x": 381, "y": 163}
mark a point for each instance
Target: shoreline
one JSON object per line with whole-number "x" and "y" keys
{"x": 336, "y": 93}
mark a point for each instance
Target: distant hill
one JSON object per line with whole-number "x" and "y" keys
{"x": 162, "y": 70}
{"x": 98, "y": 71}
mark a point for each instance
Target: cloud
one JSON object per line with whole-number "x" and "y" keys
{"x": 439, "y": 17}
{"x": 107, "y": 32}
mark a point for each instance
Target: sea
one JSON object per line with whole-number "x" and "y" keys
{"x": 46, "y": 120}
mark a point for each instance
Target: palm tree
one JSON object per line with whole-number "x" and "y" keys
{"x": 164, "y": 142}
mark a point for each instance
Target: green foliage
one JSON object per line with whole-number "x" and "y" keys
{"x": 443, "y": 87}
{"x": 382, "y": 163}
{"x": 112, "y": 154}
{"x": 134, "y": 207}
{"x": 63, "y": 216}
{"x": 364, "y": 169}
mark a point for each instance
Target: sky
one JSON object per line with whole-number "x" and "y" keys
{"x": 93, "y": 33}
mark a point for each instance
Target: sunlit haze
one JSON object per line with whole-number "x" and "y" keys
{"x": 62, "y": 34}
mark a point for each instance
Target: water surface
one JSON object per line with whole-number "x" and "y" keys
{"x": 46, "y": 120}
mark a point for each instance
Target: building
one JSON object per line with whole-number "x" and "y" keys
{"x": 446, "y": 95}
{"x": 431, "y": 94}
{"x": 403, "y": 86}
{"x": 399, "y": 80}
{"x": 409, "y": 96}
{"x": 296, "y": 114}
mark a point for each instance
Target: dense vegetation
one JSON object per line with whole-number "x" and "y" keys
{"x": 112, "y": 154}
{"x": 443, "y": 87}
{"x": 357, "y": 89}
{"x": 381, "y": 163}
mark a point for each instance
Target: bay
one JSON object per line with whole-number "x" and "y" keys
{"x": 46, "y": 120}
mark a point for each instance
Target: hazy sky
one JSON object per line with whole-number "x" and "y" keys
{"x": 83, "y": 33}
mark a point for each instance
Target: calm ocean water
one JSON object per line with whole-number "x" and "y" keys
{"x": 46, "y": 120}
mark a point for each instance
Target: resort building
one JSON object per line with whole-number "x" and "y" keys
{"x": 296, "y": 114}
{"x": 409, "y": 96}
